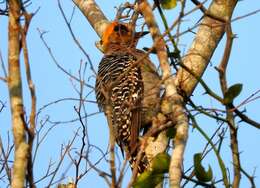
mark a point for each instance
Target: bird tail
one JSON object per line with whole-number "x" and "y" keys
{"x": 142, "y": 164}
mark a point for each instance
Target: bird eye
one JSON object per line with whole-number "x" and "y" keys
{"x": 121, "y": 28}
{"x": 116, "y": 28}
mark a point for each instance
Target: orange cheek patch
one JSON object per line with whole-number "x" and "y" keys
{"x": 107, "y": 33}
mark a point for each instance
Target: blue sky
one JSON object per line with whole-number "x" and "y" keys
{"x": 52, "y": 84}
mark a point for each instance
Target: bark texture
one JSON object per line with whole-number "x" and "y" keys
{"x": 15, "y": 94}
{"x": 172, "y": 104}
{"x": 93, "y": 14}
{"x": 203, "y": 46}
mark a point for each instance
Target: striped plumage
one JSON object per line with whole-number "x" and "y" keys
{"x": 124, "y": 96}
{"x": 124, "y": 77}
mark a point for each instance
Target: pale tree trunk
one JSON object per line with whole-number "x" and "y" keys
{"x": 204, "y": 44}
{"x": 94, "y": 15}
{"x": 15, "y": 94}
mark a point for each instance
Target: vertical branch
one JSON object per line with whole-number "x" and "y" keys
{"x": 173, "y": 103}
{"x": 15, "y": 94}
{"x": 112, "y": 142}
{"x": 159, "y": 144}
{"x": 31, "y": 130}
{"x": 229, "y": 113}
{"x": 81, "y": 153}
{"x": 84, "y": 139}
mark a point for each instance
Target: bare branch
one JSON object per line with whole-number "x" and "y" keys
{"x": 2, "y": 105}
{"x": 6, "y": 156}
{"x": 246, "y": 15}
{"x": 3, "y": 65}
{"x": 250, "y": 178}
{"x": 229, "y": 114}
{"x": 75, "y": 39}
{"x": 67, "y": 148}
{"x": 56, "y": 62}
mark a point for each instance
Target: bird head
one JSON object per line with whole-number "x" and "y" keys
{"x": 119, "y": 35}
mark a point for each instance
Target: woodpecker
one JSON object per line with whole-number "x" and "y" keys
{"x": 127, "y": 81}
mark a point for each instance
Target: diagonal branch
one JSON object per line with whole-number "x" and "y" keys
{"x": 74, "y": 37}
{"x": 207, "y": 38}
{"x": 94, "y": 15}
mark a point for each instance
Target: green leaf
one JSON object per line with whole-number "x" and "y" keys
{"x": 171, "y": 132}
{"x": 161, "y": 163}
{"x": 151, "y": 178}
{"x": 168, "y": 4}
{"x": 232, "y": 92}
{"x": 148, "y": 179}
{"x": 200, "y": 172}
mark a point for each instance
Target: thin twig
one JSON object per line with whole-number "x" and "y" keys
{"x": 229, "y": 114}
{"x": 56, "y": 62}
{"x": 75, "y": 39}
{"x": 83, "y": 145}
{"x": 246, "y": 15}
{"x": 62, "y": 100}
{"x": 250, "y": 178}
{"x": 220, "y": 161}
{"x": 2, "y": 106}
{"x": 6, "y": 156}
{"x": 112, "y": 141}
{"x": 3, "y": 65}
{"x": 67, "y": 148}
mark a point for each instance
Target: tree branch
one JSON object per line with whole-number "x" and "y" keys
{"x": 172, "y": 104}
{"x": 31, "y": 130}
{"x": 15, "y": 94}
{"x": 207, "y": 38}
{"x": 94, "y": 15}
{"x": 75, "y": 39}
{"x": 229, "y": 114}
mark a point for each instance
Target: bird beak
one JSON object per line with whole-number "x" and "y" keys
{"x": 141, "y": 34}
